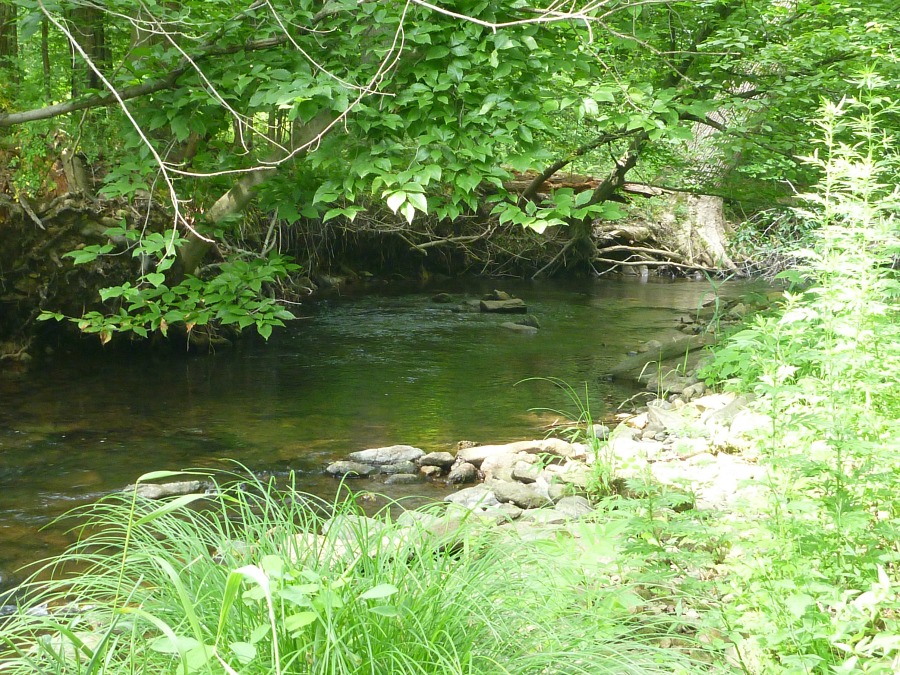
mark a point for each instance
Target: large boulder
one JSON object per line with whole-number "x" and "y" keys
{"x": 574, "y": 507}
{"x": 399, "y": 467}
{"x": 387, "y": 455}
{"x": 402, "y": 479}
{"x": 519, "y": 328}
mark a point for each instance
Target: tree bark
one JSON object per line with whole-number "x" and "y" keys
{"x": 191, "y": 254}
{"x": 88, "y": 29}
{"x": 9, "y": 42}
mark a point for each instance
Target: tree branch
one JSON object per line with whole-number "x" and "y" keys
{"x": 547, "y": 173}
{"x": 136, "y": 91}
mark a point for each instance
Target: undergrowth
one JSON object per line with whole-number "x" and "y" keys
{"x": 259, "y": 579}
{"x": 815, "y": 587}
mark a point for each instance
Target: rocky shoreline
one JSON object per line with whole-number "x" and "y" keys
{"x": 701, "y": 447}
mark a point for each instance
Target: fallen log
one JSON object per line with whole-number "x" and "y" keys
{"x": 633, "y": 366}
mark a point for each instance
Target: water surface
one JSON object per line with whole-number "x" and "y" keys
{"x": 356, "y": 371}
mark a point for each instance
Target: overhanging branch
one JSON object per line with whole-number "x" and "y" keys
{"x": 134, "y": 91}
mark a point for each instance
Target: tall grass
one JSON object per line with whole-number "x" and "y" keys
{"x": 257, "y": 579}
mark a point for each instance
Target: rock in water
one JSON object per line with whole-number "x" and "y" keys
{"x": 443, "y": 460}
{"x": 513, "y": 306}
{"x": 351, "y": 469}
{"x": 399, "y": 467}
{"x": 464, "y": 472}
{"x": 391, "y": 454}
{"x": 519, "y": 328}
{"x": 161, "y": 490}
{"x": 402, "y": 479}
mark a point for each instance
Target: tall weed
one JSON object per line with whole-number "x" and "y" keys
{"x": 817, "y": 592}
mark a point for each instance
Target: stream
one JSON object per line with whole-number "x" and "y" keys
{"x": 355, "y": 371}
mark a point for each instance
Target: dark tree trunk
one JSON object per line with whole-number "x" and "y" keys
{"x": 45, "y": 58}
{"x": 9, "y": 43}
{"x": 87, "y": 27}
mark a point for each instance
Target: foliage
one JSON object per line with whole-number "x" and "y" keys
{"x": 234, "y": 296}
{"x": 273, "y": 581}
{"x": 818, "y": 592}
{"x": 428, "y": 110}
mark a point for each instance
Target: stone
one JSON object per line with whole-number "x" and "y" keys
{"x": 525, "y": 472}
{"x": 557, "y": 491}
{"x": 725, "y": 414}
{"x": 519, "y": 328}
{"x": 576, "y": 474}
{"x": 513, "y": 306}
{"x": 497, "y": 295}
{"x": 548, "y": 446}
{"x": 664, "y": 420}
{"x": 473, "y": 497}
{"x": 464, "y": 472}
{"x": 510, "y": 511}
{"x": 650, "y": 346}
{"x": 544, "y": 517}
{"x": 347, "y": 469}
{"x": 402, "y": 479}
{"x": 529, "y": 320}
{"x": 430, "y": 471}
{"x": 443, "y": 460}
{"x": 162, "y": 490}
{"x": 387, "y": 455}
{"x": 600, "y": 431}
{"x": 574, "y": 507}
{"x": 416, "y": 518}
{"x": 442, "y": 298}
{"x": 523, "y": 496}
{"x": 670, "y": 383}
{"x": 626, "y": 448}
{"x": 399, "y": 467}
{"x": 749, "y": 423}
{"x": 501, "y": 466}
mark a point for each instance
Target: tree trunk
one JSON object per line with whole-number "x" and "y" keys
{"x": 87, "y": 27}
{"x": 45, "y": 58}
{"x": 9, "y": 43}
{"x": 191, "y": 254}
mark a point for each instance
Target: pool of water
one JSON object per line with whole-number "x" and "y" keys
{"x": 356, "y": 371}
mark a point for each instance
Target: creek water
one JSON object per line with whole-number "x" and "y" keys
{"x": 356, "y": 371}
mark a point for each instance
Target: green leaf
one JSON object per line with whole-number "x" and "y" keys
{"x": 378, "y": 592}
{"x": 169, "y": 507}
{"x": 155, "y": 279}
{"x": 299, "y": 621}
{"x": 167, "y": 645}
{"x": 395, "y": 200}
{"x": 418, "y": 200}
{"x": 264, "y": 329}
{"x": 243, "y": 651}
{"x": 385, "y": 610}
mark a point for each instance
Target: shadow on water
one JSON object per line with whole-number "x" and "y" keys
{"x": 355, "y": 372}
